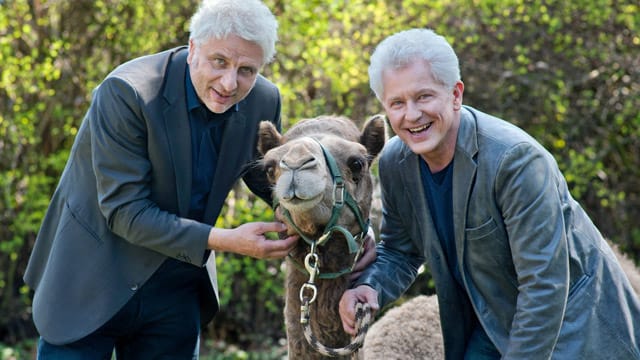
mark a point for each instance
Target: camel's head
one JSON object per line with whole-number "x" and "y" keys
{"x": 298, "y": 167}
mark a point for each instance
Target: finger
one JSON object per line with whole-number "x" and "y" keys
{"x": 371, "y": 234}
{"x": 370, "y": 243}
{"x": 373, "y": 304}
{"x": 346, "y": 309}
{"x": 371, "y": 298}
{"x": 348, "y": 328}
{"x": 354, "y": 275}
{"x": 368, "y": 256}
{"x": 278, "y": 249}
{"x": 285, "y": 244}
{"x": 274, "y": 226}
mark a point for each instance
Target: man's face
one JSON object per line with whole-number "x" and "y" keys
{"x": 223, "y": 71}
{"x": 422, "y": 111}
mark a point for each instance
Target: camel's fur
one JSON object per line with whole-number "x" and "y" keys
{"x": 303, "y": 185}
{"x": 408, "y": 331}
{"x": 629, "y": 267}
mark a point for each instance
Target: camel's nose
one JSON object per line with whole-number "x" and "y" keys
{"x": 298, "y": 164}
{"x": 298, "y": 158}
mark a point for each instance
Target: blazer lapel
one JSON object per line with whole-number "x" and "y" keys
{"x": 178, "y": 129}
{"x": 229, "y": 161}
{"x": 464, "y": 173}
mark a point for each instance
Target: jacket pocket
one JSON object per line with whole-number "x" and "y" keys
{"x": 75, "y": 234}
{"x": 577, "y": 285}
{"x": 488, "y": 253}
{"x": 73, "y": 216}
{"x": 481, "y": 231}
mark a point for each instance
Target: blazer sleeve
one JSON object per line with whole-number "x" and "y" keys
{"x": 398, "y": 259}
{"x": 123, "y": 172}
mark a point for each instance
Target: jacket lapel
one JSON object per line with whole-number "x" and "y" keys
{"x": 464, "y": 173}
{"x": 177, "y": 128}
{"x": 229, "y": 161}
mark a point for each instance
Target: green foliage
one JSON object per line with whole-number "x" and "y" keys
{"x": 323, "y": 51}
{"x": 567, "y": 72}
{"x": 221, "y": 350}
{"x": 24, "y": 350}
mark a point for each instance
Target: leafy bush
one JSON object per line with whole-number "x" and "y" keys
{"x": 568, "y": 72}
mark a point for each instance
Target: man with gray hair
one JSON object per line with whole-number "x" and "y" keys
{"x": 520, "y": 270}
{"x": 124, "y": 257}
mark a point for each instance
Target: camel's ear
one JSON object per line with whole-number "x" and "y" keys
{"x": 373, "y": 135}
{"x": 268, "y": 137}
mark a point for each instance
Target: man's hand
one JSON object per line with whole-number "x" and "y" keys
{"x": 347, "y": 308}
{"x": 249, "y": 239}
{"x": 368, "y": 255}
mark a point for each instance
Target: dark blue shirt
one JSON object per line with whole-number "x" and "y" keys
{"x": 438, "y": 188}
{"x": 206, "y": 135}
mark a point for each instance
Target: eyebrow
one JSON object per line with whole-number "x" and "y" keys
{"x": 216, "y": 55}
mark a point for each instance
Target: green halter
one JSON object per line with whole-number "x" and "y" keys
{"x": 340, "y": 198}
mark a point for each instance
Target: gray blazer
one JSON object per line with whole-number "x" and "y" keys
{"x": 119, "y": 209}
{"x": 538, "y": 274}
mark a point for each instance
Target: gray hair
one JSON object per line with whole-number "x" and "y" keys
{"x": 249, "y": 19}
{"x": 400, "y": 49}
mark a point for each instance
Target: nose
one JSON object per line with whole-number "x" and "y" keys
{"x": 229, "y": 81}
{"x": 298, "y": 163}
{"x": 413, "y": 112}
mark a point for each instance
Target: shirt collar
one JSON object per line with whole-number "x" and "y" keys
{"x": 192, "y": 98}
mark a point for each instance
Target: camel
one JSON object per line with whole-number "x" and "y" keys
{"x": 304, "y": 188}
{"x": 328, "y": 205}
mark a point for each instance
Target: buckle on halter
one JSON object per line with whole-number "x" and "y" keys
{"x": 338, "y": 194}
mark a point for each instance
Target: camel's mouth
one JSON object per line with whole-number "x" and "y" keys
{"x": 296, "y": 203}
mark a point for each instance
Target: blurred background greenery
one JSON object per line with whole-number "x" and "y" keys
{"x": 567, "y": 72}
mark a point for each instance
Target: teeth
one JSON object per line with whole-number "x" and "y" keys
{"x": 418, "y": 129}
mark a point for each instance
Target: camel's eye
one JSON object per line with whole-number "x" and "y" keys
{"x": 269, "y": 169}
{"x": 356, "y": 165}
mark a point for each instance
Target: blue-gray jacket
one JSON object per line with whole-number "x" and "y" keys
{"x": 538, "y": 273}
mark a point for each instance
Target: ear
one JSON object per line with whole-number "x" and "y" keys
{"x": 373, "y": 135}
{"x": 458, "y": 90}
{"x": 268, "y": 137}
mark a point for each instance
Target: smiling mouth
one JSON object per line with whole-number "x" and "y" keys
{"x": 419, "y": 129}
{"x": 221, "y": 94}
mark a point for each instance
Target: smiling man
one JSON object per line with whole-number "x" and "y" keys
{"x": 124, "y": 258}
{"x": 520, "y": 270}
